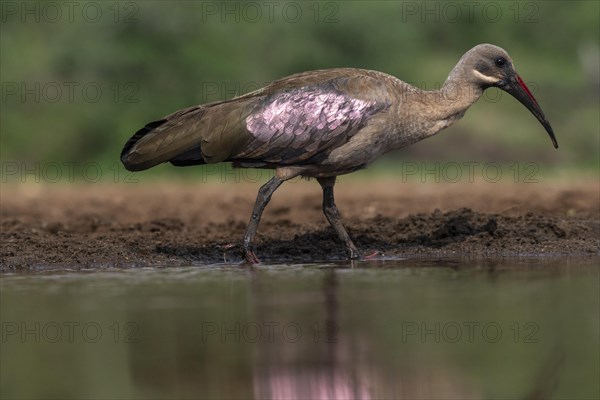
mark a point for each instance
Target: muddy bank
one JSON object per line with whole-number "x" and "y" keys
{"x": 96, "y": 226}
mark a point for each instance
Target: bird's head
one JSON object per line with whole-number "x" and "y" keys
{"x": 488, "y": 65}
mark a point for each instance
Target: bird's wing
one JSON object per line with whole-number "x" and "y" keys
{"x": 292, "y": 126}
{"x": 288, "y": 122}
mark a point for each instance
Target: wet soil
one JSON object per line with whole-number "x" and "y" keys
{"x": 183, "y": 223}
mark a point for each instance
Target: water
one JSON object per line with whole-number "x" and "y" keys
{"x": 384, "y": 329}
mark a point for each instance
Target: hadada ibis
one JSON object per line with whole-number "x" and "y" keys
{"x": 321, "y": 124}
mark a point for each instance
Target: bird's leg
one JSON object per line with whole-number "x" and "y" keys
{"x": 333, "y": 216}
{"x": 264, "y": 195}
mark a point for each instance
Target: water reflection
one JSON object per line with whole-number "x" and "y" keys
{"x": 384, "y": 329}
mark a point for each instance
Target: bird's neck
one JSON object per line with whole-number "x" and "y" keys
{"x": 452, "y": 100}
{"x": 441, "y": 108}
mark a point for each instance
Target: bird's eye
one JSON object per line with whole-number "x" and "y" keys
{"x": 500, "y": 62}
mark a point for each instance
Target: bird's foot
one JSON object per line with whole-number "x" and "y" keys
{"x": 372, "y": 255}
{"x": 354, "y": 254}
{"x": 251, "y": 257}
{"x": 247, "y": 253}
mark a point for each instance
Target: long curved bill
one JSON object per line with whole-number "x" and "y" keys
{"x": 517, "y": 88}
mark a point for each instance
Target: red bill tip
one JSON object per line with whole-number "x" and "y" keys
{"x": 524, "y": 86}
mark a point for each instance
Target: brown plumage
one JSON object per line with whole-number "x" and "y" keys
{"x": 322, "y": 124}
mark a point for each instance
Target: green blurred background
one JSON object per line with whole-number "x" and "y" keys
{"x": 78, "y": 79}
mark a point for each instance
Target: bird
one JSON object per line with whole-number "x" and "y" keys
{"x": 321, "y": 124}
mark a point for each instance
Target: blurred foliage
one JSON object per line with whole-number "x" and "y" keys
{"x": 78, "y": 80}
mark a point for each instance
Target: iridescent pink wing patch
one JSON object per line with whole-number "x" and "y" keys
{"x": 295, "y": 125}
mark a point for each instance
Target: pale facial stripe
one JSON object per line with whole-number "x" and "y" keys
{"x": 485, "y": 78}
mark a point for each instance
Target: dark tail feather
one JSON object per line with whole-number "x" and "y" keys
{"x": 133, "y": 140}
{"x": 190, "y": 157}
{"x": 170, "y": 138}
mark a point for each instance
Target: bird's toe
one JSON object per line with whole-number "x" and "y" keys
{"x": 250, "y": 257}
{"x": 372, "y": 255}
